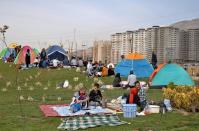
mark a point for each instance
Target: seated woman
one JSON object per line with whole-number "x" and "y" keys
{"x": 95, "y": 96}
{"x": 79, "y": 100}
{"x": 104, "y": 71}
{"x": 117, "y": 80}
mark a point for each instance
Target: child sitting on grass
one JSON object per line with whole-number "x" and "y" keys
{"x": 95, "y": 96}
{"x": 79, "y": 100}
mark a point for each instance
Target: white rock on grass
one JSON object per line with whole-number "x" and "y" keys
{"x": 25, "y": 84}
{"x": 81, "y": 85}
{"x": 75, "y": 78}
{"x": 30, "y": 77}
{"x": 31, "y": 88}
{"x": 59, "y": 98}
{"x": 21, "y": 98}
{"x": 4, "y": 89}
{"x": 8, "y": 83}
{"x": 30, "y": 98}
{"x": 38, "y": 83}
{"x": 45, "y": 88}
{"x": 78, "y": 69}
{"x": 58, "y": 87}
{"x": 19, "y": 88}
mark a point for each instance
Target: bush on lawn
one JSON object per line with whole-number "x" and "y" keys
{"x": 183, "y": 97}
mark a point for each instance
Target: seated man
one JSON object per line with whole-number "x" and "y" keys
{"x": 137, "y": 96}
{"x": 95, "y": 96}
{"x": 79, "y": 101}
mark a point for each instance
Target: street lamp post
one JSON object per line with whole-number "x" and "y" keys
{"x": 3, "y": 31}
{"x": 83, "y": 45}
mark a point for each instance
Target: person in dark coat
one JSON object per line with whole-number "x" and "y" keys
{"x": 43, "y": 57}
{"x": 95, "y": 96}
{"x": 154, "y": 60}
{"x": 117, "y": 80}
{"x": 110, "y": 71}
{"x": 27, "y": 58}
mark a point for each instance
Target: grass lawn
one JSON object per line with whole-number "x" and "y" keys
{"x": 33, "y": 82}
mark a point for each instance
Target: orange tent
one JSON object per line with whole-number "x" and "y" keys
{"x": 134, "y": 56}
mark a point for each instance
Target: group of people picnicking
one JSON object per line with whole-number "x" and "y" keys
{"x": 136, "y": 95}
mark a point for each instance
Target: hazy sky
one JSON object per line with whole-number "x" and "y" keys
{"x": 43, "y": 22}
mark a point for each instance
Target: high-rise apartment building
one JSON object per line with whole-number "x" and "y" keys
{"x": 121, "y": 45}
{"x": 193, "y": 48}
{"x": 139, "y": 42}
{"x": 164, "y": 42}
{"x": 151, "y": 41}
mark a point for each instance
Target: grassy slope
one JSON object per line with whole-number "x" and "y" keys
{"x": 31, "y": 119}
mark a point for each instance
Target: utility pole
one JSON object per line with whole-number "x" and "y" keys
{"x": 75, "y": 42}
{"x": 83, "y": 50}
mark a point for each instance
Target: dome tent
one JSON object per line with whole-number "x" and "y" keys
{"x": 8, "y": 52}
{"x": 36, "y": 51}
{"x": 12, "y": 45}
{"x": 2, "y": 53}
{"x": 20, "y": 59}
{"x": 56, "y": 52}
{"x": 135, "y": 62}
{"x": 167, "y": 73}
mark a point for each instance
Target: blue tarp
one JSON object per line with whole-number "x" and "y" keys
{"x": 172, "y": 73}
{"x": 141, "y": 67}
{"x": 56, "y": 52}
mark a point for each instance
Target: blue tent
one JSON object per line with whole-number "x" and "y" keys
{"x": 56, "y": 52}
{"x": 171, "y": 73}
{"x": 8, "y": 52}
{"x": 140, "y": 67}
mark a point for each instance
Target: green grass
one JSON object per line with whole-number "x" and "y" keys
{"x": 30, "y": 118}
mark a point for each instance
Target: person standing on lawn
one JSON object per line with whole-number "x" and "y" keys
{"x": 27, "y": 58}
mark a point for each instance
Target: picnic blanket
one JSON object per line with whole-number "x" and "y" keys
{"x": 48, "y": 110}
{"x": 63, "y": 110}
{"x": 84, "y": 122}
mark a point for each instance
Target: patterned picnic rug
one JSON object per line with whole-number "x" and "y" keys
{"x": 84, "y": 122}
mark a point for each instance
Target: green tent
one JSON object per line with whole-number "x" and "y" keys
{"x": 2, "y": 53}
{"x": 172, "y": 73}
{"x": 36, "y": 51}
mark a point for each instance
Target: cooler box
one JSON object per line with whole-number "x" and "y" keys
{"x": 129, "y": 110}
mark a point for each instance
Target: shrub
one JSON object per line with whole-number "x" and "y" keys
{"x": 183, "y": 97}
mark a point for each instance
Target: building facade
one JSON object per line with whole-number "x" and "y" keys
{"x": 102, "y": 51}
{"x": 121, "y": 45}
{"x": 193, "y": 48}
